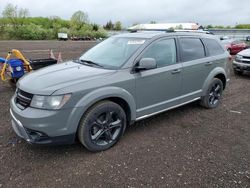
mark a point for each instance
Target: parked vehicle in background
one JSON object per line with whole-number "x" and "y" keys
{"x": 81, "y": 38}
{"x": 248, "y": 38}
{"x": 121, "y": 80}
{"x": 234, "y": 46}
{"x": 242, "y": 62}
{"x": 224, "y": 38}
{"x": 62, "y": 36}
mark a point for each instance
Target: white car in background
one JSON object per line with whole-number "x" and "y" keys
{"x": 62, "y": 36}
{"x": 242, "y": 61}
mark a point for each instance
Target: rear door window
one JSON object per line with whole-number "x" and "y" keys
{"x": 191, "y": 49}
{"x": 213, "y": 47}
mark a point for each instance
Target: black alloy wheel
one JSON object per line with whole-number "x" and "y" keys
{"x": 106, "y": 128}
{"x": 213, "y": 94}
{"x": 102, "y": 126}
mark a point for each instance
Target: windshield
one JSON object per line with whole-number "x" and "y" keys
{"x": 113, "y": 52}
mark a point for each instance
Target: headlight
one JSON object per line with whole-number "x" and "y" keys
{"x": 238, "y": 58}
{"x": 49, "y": 102}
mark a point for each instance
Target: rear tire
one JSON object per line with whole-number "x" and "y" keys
{"x": 102, "y": 126}
{"x": 213, "y": 94}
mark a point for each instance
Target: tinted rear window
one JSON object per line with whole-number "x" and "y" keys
{"x": 191, "y": 48}
{"x": 213, "y": 47}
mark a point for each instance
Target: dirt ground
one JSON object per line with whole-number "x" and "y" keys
{"x": 185, "y": 147}
{"x": 41, "y": 49}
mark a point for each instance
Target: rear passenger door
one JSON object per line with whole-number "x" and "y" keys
{"x": 196, "y": 66}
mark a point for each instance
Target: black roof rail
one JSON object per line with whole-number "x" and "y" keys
{"x": 152, "y": 30}
{"x": 195, "y": 31}
{"x": 171, "y": 30}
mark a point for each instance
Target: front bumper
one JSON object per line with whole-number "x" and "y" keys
{"x": 38, "y": 126}
{"x": 241, "y": 66}
{"x": 18, "y": 128}
{"x": 37, "y": 137}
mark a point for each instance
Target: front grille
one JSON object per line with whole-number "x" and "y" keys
{"x": 246, "y": 57}
{"x": 23, "y": 99}
{"x": 248, "y": 62}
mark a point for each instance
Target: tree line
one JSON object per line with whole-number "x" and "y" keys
{"x": 15, "y": 23}
{"x": 237, "y": 26}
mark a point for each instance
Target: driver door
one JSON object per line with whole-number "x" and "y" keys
{"x": 159, "y": 88}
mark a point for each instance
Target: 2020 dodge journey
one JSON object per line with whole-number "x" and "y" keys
{"x": 121, "y": 80}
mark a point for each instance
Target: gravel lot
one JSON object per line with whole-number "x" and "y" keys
{"x": 185, "y": 147}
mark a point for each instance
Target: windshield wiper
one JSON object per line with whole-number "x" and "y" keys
{"x": 90, "y": 62}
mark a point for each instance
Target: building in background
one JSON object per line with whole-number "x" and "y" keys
{"x": 166, "y": 26}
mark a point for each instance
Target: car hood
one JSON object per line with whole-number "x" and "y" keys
{"x": 47, "y": 80}
{"x": 245, "y": 52}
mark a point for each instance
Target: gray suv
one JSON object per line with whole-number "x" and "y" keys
{"x": 121, "y": 80}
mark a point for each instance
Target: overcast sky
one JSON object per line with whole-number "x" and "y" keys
{"x": 215, "y": 12}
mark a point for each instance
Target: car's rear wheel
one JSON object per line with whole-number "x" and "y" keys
{"x": 213, "y": 94}
{"x": 102, "y": 126}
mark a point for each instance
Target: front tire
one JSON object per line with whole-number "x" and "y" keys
{"x": 102, "y": 126}
{"x": 213, "y": 94}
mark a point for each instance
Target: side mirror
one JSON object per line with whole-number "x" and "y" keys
{"x": 146, "y": 64}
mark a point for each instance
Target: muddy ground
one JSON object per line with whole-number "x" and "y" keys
{"x": 185, "y": 147}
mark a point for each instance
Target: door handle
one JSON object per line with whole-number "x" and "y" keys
{"x": 209, "y": 63}
{"x": 176, "y": 71}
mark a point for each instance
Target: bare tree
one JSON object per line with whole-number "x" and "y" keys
{"x": 15, "y": 15}
{"x": 79, "y": 18}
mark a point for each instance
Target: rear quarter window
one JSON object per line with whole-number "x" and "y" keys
{"x": 213, "y": 47}
{"x": 191, "y": 49}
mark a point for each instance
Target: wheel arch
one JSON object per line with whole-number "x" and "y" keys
{"x": 222, "y": 77}
{"x": 219, "y": 73}
{"x": 117, "y": 95}
{"x": 125, "y": 106}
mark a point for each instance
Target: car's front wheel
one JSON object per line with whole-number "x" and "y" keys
{"x": 102, "y": 126}
{"x": 213, "y": 94}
